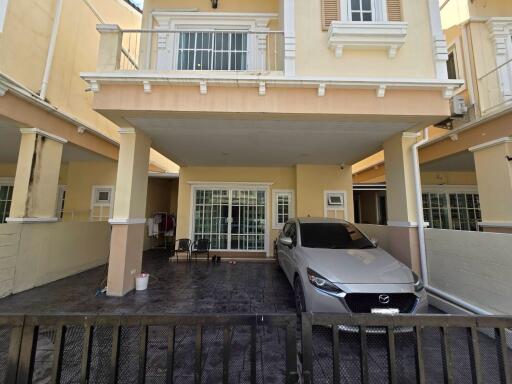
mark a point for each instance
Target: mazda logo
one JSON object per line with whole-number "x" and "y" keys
{"x": 384, "y": 299}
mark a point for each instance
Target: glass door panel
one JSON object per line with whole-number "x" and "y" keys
{"x": 211, "y": 217}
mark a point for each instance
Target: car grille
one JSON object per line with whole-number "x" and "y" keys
{"x": 365, "y": 302}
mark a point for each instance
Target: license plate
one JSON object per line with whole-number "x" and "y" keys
{"x": 385, "y": 311}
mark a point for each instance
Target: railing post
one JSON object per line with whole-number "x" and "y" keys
{"x": 289, "y": 37}
{"x": 307, "y": 348}
{"x": 111, "y": 40}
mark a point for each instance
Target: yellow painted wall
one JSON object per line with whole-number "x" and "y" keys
{"x": 313, "y": 180}
{"x": 315, "y": 58}
{"x": 448, "y": 178}
{"x": 82, "y": 176}
{"x": 7, "y": 170}
{"x": 282, "y": 178}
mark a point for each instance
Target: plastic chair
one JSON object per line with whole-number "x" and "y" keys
{"x": 183, "y": 247}
{"x": 202, "y": 247}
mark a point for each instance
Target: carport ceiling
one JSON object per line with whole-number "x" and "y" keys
{"x": 461, "y": 162}
{"x": 265, "y": 142}
{"x": 10, "y": 143}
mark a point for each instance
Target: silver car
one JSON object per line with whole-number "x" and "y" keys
{"x": 333, "y": 267}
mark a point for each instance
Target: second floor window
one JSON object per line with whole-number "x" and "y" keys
{"x": 451, "y": 65}
{"x": 361, "y": 10}
{"x": 221, "y": 51}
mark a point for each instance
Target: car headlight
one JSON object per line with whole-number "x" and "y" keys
{"x": 418, "y": 283}
{"x": 322, "y": 283}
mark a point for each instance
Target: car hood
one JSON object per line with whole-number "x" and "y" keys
{"x": 357, "y": 266}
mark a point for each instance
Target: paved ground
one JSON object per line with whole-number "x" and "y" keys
{"x": 211, "y": 288}
{"x": 201, "y": 287}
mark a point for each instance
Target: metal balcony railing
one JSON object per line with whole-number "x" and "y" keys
{"x": 201, "y": 50}
{"x": 495, "y": 88}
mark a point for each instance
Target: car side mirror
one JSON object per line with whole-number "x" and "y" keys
{"x": 375, "y": 242}
{"x": 286, "y": 241}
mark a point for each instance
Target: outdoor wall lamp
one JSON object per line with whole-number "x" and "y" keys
{"x": 215, "y": 4}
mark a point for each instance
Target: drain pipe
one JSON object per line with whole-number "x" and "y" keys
{"x": 51, "y": 50}
{"x": 421, "y": 237}
{"x": 419, "y": 205}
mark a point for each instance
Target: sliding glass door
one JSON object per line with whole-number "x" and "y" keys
{"x": 232, "y": 219}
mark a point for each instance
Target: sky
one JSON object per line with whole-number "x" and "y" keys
{"x": 139, "y": 3}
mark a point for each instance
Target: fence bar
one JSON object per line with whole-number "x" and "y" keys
{"x": 335, "y": 354}
{"x": 420, "y": 364}
{"x": 474, "y": 354}
{"x": 199, "y": 347}
{"x": 364, "y": 354}
{"x": 170, "y": 355}
{"x": 391, "y": 354}
{"x": 114, "y": 360}
{"x": 307, "y": 348}
{"x": 226, "y": 354}
{"x": 27, "y": 354}
{"x": 14, "y": 354}
{"x": 143, "y": 351}
{"x": 447, "y": 356}
{"x": 86, "y": 354}
{"x": 503, "y": 361}
{"x": 58, "y": 351}
{"x": 291, "y": 353}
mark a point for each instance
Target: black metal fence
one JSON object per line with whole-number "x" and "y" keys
{"x": 255, "y": 349}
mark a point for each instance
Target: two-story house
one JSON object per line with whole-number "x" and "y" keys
{"x": 265, "y": 105}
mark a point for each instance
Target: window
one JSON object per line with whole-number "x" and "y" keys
{"x": 451, "y": 65}
{"x": 457, "y": 211}
{"x": 361, "y": 10}
{"x": 283, "y": 207}
{"x": 334, "y": 204}
{"x": 226, "y": 51}
{"x": 5, "y": 201}
{"x": 232, "y": 219}
{"x": 332, "y": 236}
{"x": 101, "y": 204}
{"x": 3, "y": 13}
{"x": 61, "y": 199}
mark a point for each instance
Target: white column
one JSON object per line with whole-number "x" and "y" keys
{"x": 438, "y": 40}
{"x": 500, "y": 36}
{"x": 289, "y": 37}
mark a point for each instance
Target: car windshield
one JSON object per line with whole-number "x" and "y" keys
{"x": 333, "y": 236}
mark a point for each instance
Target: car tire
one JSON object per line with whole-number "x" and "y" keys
{"x": 300, "y": 301}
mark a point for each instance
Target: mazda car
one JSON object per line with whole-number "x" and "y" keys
{"x": 334, "y": 267}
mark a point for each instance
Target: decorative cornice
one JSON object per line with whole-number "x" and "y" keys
{"x": 496, "y": 224}
{"x": 39, "y": 132}
{"x": 489, "y": 144}
{"x": 127, "y": 221}
{"x": 31, "y": 220}
{"x": 3, "y": 89}
{"x": 127, "y": 131}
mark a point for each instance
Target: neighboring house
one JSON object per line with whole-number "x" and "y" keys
{"x": 58, "y": 157}
{"x": 265, "y": 105}
{"x": 466, "y": 166}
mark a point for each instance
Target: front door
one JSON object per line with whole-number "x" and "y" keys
{"x": 233, "y": 219}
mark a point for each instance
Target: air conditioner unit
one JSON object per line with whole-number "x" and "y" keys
{"x": 458, "y": 106}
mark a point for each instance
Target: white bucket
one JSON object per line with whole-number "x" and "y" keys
{"x": 141, "y": 282}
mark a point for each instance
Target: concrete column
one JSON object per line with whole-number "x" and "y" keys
{"x": 288, "y": 25}
{"x": 129, "y": 216}
{"x": 36, "y": 183}
{"x": 493, "y": 164}
{"x": 401, "y": 199}
{"x": 111, "y": 40}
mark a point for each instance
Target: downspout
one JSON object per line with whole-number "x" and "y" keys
{"x": 51, "y": 50}
{"x": 421, "y": 236}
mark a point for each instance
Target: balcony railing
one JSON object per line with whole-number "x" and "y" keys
{"x": 191, "y": 50}
{"x": 495, "y": 88}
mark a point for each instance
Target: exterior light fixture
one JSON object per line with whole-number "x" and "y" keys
{"x": 215, "y": 4}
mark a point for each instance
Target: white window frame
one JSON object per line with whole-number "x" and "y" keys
{"x": 196, "y": 185}
{"x": 7, "y": 182}
{"x": 97, "y": 204}
{"x": 3, "y": 13}
{"x": 276, "y": 193}
{"x": 379, "y": 11}
{"x": 335, "y": 208}
{"x": 168, "y": 43}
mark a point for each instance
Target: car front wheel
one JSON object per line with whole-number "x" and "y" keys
{"x": 300, "y": 302}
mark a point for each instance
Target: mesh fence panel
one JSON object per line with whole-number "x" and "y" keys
{"x": 405, "y": 343}
{"x": 350, "y": 357}
{"x": 212, "y": 353}
{"x": 128, "y": 359}
{"x": 5, "y": 335}
{"x": 43, "y": 360}
{"x": 156, "y": 360}
{"x": 100, "y": 355}
{"x": 322, "y": 354}
{"x": 72, "y": 355}
{"x": 433, "y": 357}
{"x": 184, "y": 358}
{"x": 271, "y": 355}
{"x": 240, "y": 355}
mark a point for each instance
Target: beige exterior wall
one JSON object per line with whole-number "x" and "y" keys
{"x": 473, "y": 266}
{"x": 36, "y": 254}
{"x": 308, "y": 181}
{"x": 448, "y": 178}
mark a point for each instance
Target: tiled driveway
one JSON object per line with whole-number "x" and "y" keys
{"x": 248, "y": 287}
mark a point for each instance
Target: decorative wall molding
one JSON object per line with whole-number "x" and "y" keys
{"x": 40, "y": 132}
{"x": 489, "y": 144}
{"x": 31, "y": 220}
{"x": 3, "y": 90}
{"x": 376, "y": 35}
{"x": 439, "y": 45}
{"x": 500, "y": 30}
{"x": 127, "y": 221}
